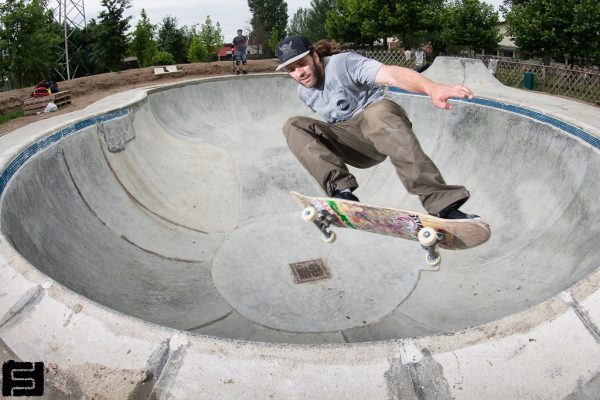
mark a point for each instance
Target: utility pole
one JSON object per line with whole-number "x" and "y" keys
{"x": 70, "y": 14}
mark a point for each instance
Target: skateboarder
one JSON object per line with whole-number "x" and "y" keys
{"x": 239, "y": 44}
{"x": 361, "y": 127}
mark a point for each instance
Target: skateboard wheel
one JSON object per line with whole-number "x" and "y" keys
{"x": 309, "y": 214}
{"x": 433, "y": 262}
{"x": 427, "y": 237}
{"x": 329, "y": 239}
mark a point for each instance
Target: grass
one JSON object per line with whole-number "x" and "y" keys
{"x": 10, "y": 115}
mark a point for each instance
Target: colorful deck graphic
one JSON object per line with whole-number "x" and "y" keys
{"x": 457, "y": 234}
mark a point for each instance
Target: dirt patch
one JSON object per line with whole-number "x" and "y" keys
{"x": 89, "y": 89}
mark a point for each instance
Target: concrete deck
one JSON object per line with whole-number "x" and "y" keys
{"x": 149, "y": 237}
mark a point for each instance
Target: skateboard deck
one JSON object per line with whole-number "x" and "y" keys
{"x": 452, "y": 234}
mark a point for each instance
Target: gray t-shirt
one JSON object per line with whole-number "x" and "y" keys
{"x": 239, "y": 42}
{"x": 349, "y": 87}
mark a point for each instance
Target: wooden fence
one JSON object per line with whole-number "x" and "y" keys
{"x": 575, "y": 83}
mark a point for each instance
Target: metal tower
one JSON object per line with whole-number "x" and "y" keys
{"x": 70, "y": 14}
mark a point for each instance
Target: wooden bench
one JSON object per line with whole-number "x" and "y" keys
{"x": 33, "y": 105}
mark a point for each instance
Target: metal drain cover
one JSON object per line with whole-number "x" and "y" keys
{"x": 308, "y": 271}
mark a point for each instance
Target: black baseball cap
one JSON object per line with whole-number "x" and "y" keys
{"x": 292, "y": 49}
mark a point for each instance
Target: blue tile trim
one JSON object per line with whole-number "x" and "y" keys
{"x": 571, "y": 129}
{"x": 36, "y": 147}
{"x": 33, "y": 149}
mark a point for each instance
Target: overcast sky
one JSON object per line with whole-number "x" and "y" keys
{"x": 230, "y": 14}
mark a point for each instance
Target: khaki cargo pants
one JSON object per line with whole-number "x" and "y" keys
{"x": 381, "y": 130}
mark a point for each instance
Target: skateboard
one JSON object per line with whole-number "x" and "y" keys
{"x": 431, "y": 232}
{"x": 232, "y": 60}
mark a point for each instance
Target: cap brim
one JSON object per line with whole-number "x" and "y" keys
{"x": 291, "y": 60}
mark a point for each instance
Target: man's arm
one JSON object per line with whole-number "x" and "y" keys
{"x": 413, "y": 81}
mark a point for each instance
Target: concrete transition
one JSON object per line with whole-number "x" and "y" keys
{"x": 147, "y": 245}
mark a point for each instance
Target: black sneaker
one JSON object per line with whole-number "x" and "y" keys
{"x": 237, "y": 72}
{"x": 244, "y": 72}
{"x": 452, "y": 212}
{"x": 346, "y": 195}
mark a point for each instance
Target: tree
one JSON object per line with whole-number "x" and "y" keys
{"x": 377, "y": 19}
{"x": 585, "y": 30}
{"x": 269, "y": 19}
{"x": 211, "y": 36}
{"x": 110, "y": 40}
{"x": 365, "y": 22}
{"x": 274, "y": 38}
{"x": 28, "y": 45}
{"x": 344, "y": 23}
{"x": 507, "y": 4}
{"x": 317, "y": 18}
{"x": 555, "y": 28}
{"x": 537, "y": 26}
{"x": 172, "y": 40}
{"x": 310, "y": 22}
{"x": 162, "y": 58}
{"x": 472, "y": 25}
{"x": 419, "y": 21}
{"x": 299, "y": 24}
{"x": 80, "y": 45}
{"x": 198, "y": 52}
{"x": 143, "y": 45}
{"x": 189, "y": 33}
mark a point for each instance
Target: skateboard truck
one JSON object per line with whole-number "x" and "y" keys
{"x": 429, "y": 237}
{"x": 322, "y": 220}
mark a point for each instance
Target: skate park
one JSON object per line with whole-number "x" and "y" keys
{"x": 150, "y": 237}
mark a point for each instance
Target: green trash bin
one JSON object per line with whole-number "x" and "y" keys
{"x": 529, "y": 80}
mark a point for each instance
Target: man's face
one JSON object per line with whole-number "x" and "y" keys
{"x": 308, "y": 71}
{"x": 239, "y": 33}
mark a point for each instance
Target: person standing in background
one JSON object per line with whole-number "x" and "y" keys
{"x": 239, "y": 44}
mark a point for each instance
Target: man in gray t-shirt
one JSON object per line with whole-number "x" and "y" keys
{"x": 361, "y": 127}
{"x": 347, "y": 87}
{"x": 239, "y": 45}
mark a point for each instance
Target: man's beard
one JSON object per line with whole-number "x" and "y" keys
{"x": 316, "y": 75}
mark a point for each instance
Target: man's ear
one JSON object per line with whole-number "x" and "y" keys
{"x": 316, "y": 58}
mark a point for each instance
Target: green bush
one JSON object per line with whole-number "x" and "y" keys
{"x": 162, "y": 58}
{"x": 10, "y": 115}
{"x": 198, "y": 51}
